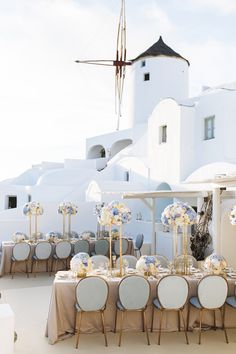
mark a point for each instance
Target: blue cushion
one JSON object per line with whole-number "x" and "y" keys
{"x": 156, "y": 303}
{"x": 119, "y": 305}
{"x": 231, "y": 300}
{"x": 195, "y": 302}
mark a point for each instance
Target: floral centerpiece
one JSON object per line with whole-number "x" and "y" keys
{"x": 115, "y": 234}
{"x": 52, "y": 236}
{"x": 147, "y": 264}
{"x": 215, "y": 264}
{"x": 233, "y": 215}
{"x": 80, "y": 264}
{"x": 19, "y": 237}
{"x": 179, "y": 214}
{"x": 67, "y": 209}
{"x": 33, "y": 209}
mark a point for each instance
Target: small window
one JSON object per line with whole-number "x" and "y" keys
{"x": 163, "y": 134}
{"x": 209, "y": 128}
{"x": 11, "y": 202}
{"x": 143, "y": 63}
{"x": 29, "y": 198}
{"x": 126, "y": 176}
{"x": 146, "y": 77}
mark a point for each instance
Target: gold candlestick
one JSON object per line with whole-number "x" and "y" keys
{"x": 175, "y": 242}
{"x": 64, "y": 222}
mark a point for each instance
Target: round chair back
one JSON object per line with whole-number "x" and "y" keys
{"x": 63, "y": 249}
{"x": 139, "y": 241}
{"x": 163, "y": 261}
{"x": 81, "y": 246}
{"x": 132, "y": 260}
{"x": 212, "y": 291}
{"x": 91, "y": 293}
{"x": 21, "y": 251}
{"x": 43, "y": 250}
{"x": 101, "y": 247}
{"x": 99, "y": 260}
{"x": 172, "y": 292}
{"x": 134, "y": 291}
{"x": 124, "y": 246}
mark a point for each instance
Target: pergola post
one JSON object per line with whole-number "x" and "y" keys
{"x": 216, "y": 220}
{"x": 154, "y": 243}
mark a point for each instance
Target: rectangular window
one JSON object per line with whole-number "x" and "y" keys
{"x": 163, "y": 134}
{"x": 209, "y": 128}
{"x": 146, "y": 77}
{"x": 11, "y": 201}
{"x": 143, "y": 63}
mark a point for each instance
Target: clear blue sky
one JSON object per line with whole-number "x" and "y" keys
{"x": 49, "y": 104}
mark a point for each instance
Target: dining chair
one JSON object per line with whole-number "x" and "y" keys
{"x": 20, "y": 253}
{"x": 138, "y": 244}
{"x": 172, "y": 295}
{"x": 231, "y": 300}
{"x": 99, "y": 260}
{"x": 91, "y": 296}
{"x": 163, "y": 261}
{"x": 62, "y": 253}
{"x": 131, "y": 260}
{"x": 133, "y": 292}
{"x": 101, "y": 247}
{"x": 124, "y": 246}
{"x": 81, "y": 246}
{"x": 212, "y": 292}
{"x": 42, "y": 253}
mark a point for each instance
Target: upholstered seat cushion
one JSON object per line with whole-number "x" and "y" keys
{"x": 156, "y": 303}
{"x": 231, "y": 300}
{"x": 195, "y": 302}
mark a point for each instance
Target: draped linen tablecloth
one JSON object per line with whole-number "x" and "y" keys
{"x": 62, "y": 313}
{"x": 7, "y": 247}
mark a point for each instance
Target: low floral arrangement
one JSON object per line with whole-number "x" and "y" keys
{"x": 179, "y": 214}
{"x": 86, "y": 235}
{"x": 52, "y": 236}
{"x": 67, "y": 208}
{"x": 19, "y": 237}
{"x": 147, "y": 264}
{"x": 80, "y": 264}
{"x": 32, "y": 208}
{"x": 215, "y": 264}
{"x": 233, "y": 215}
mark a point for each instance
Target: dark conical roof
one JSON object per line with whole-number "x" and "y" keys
{"x": 160, "y": 49}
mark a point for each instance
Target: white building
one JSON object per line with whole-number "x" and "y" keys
{"x": 170, "y": 136}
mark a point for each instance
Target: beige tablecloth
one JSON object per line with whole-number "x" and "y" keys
{"x": 61, "y": 317}
{"x": 7, "y": 247}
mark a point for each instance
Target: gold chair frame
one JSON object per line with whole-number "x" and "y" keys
{"x": 79, "y": 314}
{"x": 179, "y": 311}
{"x": 143, "y": 313}
{"x": 222, "y": 313}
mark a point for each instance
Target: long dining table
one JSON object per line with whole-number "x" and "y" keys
{"x": 62, "y": 312}
{"x": 7, "y": 247}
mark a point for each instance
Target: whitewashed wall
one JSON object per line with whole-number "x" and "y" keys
{"x": 168, "y": 78}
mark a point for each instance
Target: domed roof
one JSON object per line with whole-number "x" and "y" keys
{"x": 160, "y": 49}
